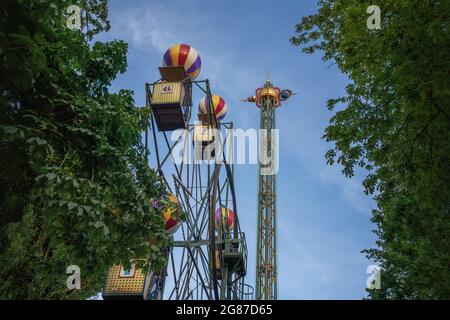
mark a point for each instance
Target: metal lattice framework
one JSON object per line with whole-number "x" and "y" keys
{"x": 266, "y": 251}
{"x": 206, "y": 261}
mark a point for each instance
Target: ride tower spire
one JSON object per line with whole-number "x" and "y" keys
{"x": 267, "y": 98}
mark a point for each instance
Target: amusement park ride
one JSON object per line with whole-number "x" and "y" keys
{"x": 208, "y": 256}
{"x": 267, "y": 99}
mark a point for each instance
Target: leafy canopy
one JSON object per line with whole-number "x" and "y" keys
{"x": 75, "y": 187}
{"x": 394, "y": 122}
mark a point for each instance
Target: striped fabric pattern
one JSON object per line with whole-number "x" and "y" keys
{"x": 227, "y": 215}
{"x": 219, "y": 105}
{"x": 186, "y": 56}
{"x": 171, "y": 215}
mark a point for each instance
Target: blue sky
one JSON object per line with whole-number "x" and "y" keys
{"x": 324, "y": 218}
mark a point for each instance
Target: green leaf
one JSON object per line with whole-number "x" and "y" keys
{"x": 99, "y": 224}
{"x": 71, "y": 205}
{"x": 9, "y": 129}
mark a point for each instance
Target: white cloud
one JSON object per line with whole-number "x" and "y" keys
{"x": 154, "y": 28}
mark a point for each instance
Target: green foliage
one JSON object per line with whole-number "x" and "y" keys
{"x": 394, "y": 122}
{"x": 75, "y": 187}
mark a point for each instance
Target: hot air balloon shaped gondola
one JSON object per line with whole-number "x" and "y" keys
{"x": 181, "y": 65}
{"x": 203, "y": 133}
{"x": 219, "y": 108}
{"x": 171, "y": 214}
{"x": 227, "y": 222}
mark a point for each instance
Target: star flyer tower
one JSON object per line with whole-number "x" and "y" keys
{"x": 267, "y": 98}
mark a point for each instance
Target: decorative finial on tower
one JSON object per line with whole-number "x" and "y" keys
{"x": 268, "y": 83}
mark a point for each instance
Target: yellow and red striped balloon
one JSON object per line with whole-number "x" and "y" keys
{"x": 171, "y": 215}
{"x": 219, "y": 106}
{"x": 227, "y": 218}
{"x": 186, "y": 56}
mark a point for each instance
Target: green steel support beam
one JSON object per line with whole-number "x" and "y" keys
{"x": 266, "y": 261}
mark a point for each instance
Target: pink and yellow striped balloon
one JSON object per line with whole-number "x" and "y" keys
{"x": 219, "y": 106}
{"x": 186, "y": 56}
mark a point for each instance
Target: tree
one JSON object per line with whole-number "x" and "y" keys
{"x": 75, "y": 186}
{"x": 394, "y": 122}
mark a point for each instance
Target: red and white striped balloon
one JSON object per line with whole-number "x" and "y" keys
{"x": 219, "y": 106}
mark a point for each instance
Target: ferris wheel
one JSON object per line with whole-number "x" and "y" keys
{"x": 208, "y": 256}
